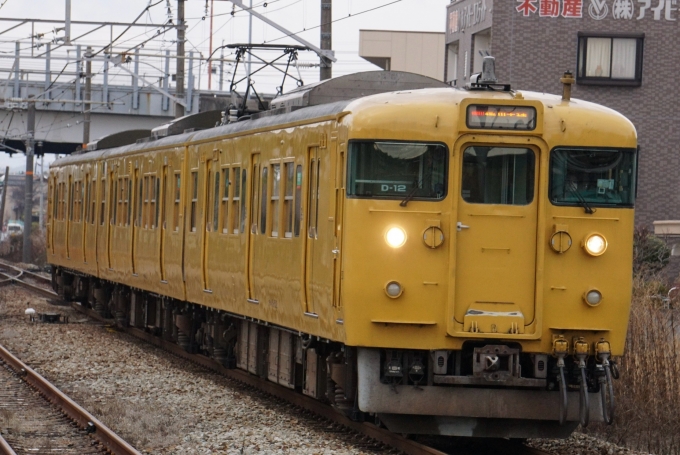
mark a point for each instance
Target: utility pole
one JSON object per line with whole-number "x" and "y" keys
{"x": 4, "y": 198}
{"x": 28, "y": 200}
{"x": 41, "y": 218}
{"x": 326, "y": 65}
{"x": 88, "y": 97}
{"x": 179, "y": 92}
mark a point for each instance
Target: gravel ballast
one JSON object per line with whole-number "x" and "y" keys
{"x": 165, "y": 405}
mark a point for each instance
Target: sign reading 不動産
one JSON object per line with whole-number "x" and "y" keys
{"x": 601, "y": 9}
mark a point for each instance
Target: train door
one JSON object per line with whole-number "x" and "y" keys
{"x": 311, "y": 252}
{"x": 86, "y": 187}
{"x": 253, "y": 218}
{"x": 162, "y": 200}
{"x": 69, "y": 217}
{"x": 495, "y": 270}
{"x": 52, "y": 216}
{"x": 206, "y": 222}
{"x": 113, "y": 190}
{"x": 137, "y": 221}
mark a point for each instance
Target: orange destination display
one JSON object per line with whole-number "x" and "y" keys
{"x": 501, "y": 117}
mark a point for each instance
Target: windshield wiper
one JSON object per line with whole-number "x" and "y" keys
{"x": 586, "y": 207}
{"x": 411, "y": 194}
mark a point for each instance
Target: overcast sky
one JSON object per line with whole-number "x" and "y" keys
{"x": 295, "y": 15}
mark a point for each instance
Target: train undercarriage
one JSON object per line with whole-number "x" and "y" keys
{"x": 484, "y": 390}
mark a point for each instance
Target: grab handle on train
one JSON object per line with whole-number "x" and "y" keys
{"x": 460, "y": 226}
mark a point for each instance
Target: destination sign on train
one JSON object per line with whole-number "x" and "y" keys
{"x": 501, "y": 117}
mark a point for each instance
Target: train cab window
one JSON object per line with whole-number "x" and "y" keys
{"x": 397, "y": 170}
{"x": 194, "y": 199}
{"x": 276, "y": 191}
{"x": 178, "y": 193}
{"x": 298, "y": 200}
{"x": 225, "y": 200}
{"x": 289, "y": 186}
{"x": 263, "y": 201}
{"x": 593, "y": 177}
{"x": 498, "y": 175}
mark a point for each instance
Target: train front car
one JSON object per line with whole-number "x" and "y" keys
{"x": 486, "y": 277}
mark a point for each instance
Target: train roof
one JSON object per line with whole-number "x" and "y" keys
{"x": 386, "y": 105}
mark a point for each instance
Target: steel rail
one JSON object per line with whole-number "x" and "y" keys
{"x": 33, "y": 275}
{"x": 396, "y": 441}
{"x": 381, "y": 435}
{"x": 70, "y": 408}
{"x": 5, "y": 449}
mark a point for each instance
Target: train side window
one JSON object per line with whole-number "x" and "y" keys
{"x": 55, "y": 201}
{"x": 298, "y": 200}
{"x": 86, "y": 207}
{"x": 140, "y": 200}
{"x": 312, "y": 222}
{"x": 114, "y": 205}
{"x": 288, "y": 200}
{"x": 128, "y": 201}
{"x": 263, "y": 201}
{"x": 70, "y": 201}
{"x": 178, "y": 193}
{"x": 194, "y": 199}
{"x": 216, "y": 201}
{"x": 102, "y": 212}
{"x": 276, "y": 191}
{"x": 93, "y": 202}
{"x": 225, "y": 200}
{"x": 155, "y": 202}
{"x": 236, "y": 201}
{"x": 243, "y": 201}
{"x": 145, "y": 208}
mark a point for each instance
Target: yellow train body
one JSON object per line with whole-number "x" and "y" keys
{"x": 288, "y": 244}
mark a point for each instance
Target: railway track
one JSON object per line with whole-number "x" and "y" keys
{"x": 39, "y": 418}
{"x": 367, "y": 435}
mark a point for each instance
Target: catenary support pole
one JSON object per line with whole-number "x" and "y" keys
{"x": 28, "y": 200}
{"x": 179, "y": 91}
{"x": 326, "y": 67}
{"x": 87, "y": 108}
{"x": 4, "y": 197}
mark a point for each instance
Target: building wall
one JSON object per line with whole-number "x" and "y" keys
{"x": 415, "y": 52}
{"x": 532, "y": 52}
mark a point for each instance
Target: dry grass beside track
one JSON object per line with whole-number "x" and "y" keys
{"x": 648, "y": 393}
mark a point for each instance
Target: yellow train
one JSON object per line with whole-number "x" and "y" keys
{"x": 444, "y": 261}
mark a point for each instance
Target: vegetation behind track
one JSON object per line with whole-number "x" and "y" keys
{"x": 648, "y": 393}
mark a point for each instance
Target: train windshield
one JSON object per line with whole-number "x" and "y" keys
{"x": 593, "y": 177}
{"x": 397, "y": 170}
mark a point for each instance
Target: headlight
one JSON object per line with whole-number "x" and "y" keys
{"x": 393, "y": 289}
{"x": 595, "y": 244}
{"x": 395, "y": 237}
{"x": 593, "y": 297}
